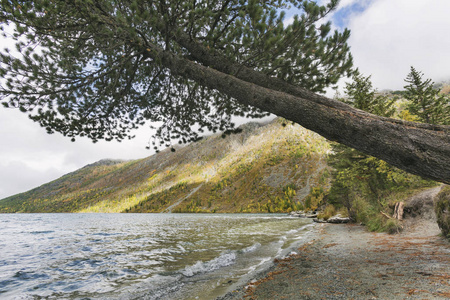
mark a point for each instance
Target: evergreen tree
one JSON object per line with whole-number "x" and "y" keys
{"x": 100, "y": 69}
{"x": 355, "y": 172}
{"x": 361, "y": 94}
{"x": 360, "y": 181}
{"x": 425, "y": 101}
{"x": 99, "y": 73}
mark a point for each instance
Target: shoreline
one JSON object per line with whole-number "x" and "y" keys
{"x": 345, "y": 261}
{"x": 240, "y": 285}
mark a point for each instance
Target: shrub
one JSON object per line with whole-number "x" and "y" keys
{"x": 442, "y": 209}
{"x": 392, "y": 226}
{"x": 328, "y": 212}
{"x": 315, "y": 198}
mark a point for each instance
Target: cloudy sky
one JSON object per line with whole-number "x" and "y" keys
{"x": 388, "y": 36}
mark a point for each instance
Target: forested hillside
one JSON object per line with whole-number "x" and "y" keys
{"x": 264, "y": 168}
{"x": 274, "y": 167}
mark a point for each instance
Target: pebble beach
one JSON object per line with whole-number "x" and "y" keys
{"x": 345, "y": 261}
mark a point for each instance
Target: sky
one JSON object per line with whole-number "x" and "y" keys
{"x": 387, "y": 38}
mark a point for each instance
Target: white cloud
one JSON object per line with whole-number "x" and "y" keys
{"x": 16, "y": 176}
{"x": 31, "y": 157}
{"x": 392, "y": 35}
{"x": 345, "y": 3}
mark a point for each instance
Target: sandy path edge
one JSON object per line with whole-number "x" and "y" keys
{"x": 347, "y": 262}
{"x": 344, "y": 261}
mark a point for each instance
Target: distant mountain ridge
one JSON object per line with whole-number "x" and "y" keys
{"x": 105, "y": 162}
{"x": 265, "y": 168}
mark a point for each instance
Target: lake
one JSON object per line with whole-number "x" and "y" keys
{"x": 139, "y": 256}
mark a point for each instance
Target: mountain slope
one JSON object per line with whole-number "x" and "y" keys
{"x": 265, "y": 168}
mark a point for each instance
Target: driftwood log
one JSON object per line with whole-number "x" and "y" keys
{"x": 398, "y": 211}
{"x": 338, "y": 219}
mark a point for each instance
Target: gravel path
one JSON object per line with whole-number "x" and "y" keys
{"x": 347, "y": 262}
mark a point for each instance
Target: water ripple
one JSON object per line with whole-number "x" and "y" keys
{"x": 127, "y": 256}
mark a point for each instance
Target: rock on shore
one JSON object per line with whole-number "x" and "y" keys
{"x": 337, "y": 219}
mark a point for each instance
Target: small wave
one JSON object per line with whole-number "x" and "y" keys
{"x": 262, "y": 262}
{"x": 42, "y": 232}
{"x": 86, "y": 248}
{"x": 82, "y": 262}
{"x": 272, "y": 217}
{"x": 205, "y": 267}
{"x": 104, "y": 234}
{"x": 23, "y": 275}
{"x": 251, "y": 248}
{"x": 307, "y": 226}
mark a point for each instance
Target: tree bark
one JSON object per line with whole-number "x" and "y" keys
{"x": 420, "y": 149}
{"x": 224, "y": 65}
{"x": 398, "y": 211}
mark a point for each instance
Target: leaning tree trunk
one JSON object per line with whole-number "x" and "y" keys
{"x": 420, "y": 149}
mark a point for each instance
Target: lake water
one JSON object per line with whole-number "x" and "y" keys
{"x": 139, "y": 256}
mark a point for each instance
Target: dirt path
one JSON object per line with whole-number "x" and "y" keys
{"x": 169, "y": 209}
{"x": 347, "y": 262}
{"x": 421, "y": 220}
{"x": 303, "y": 192}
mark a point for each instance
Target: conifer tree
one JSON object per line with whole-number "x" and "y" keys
{"x": 100, "y": 69}
{"x": 425, "y": 101}
{"x": 355, "y": 172}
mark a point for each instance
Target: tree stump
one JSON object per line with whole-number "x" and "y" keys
{"x": 398, "y": 211}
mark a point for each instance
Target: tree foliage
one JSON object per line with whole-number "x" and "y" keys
{"x": 102, "y": 68}
{"x": 425, "y": 101}
{"x": 355, "y": 171}
{"x": 86, "y": 68}
{"x": 358, "y": 177}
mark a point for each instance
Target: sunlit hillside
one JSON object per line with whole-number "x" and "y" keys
{"x": 265, "y": 168}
